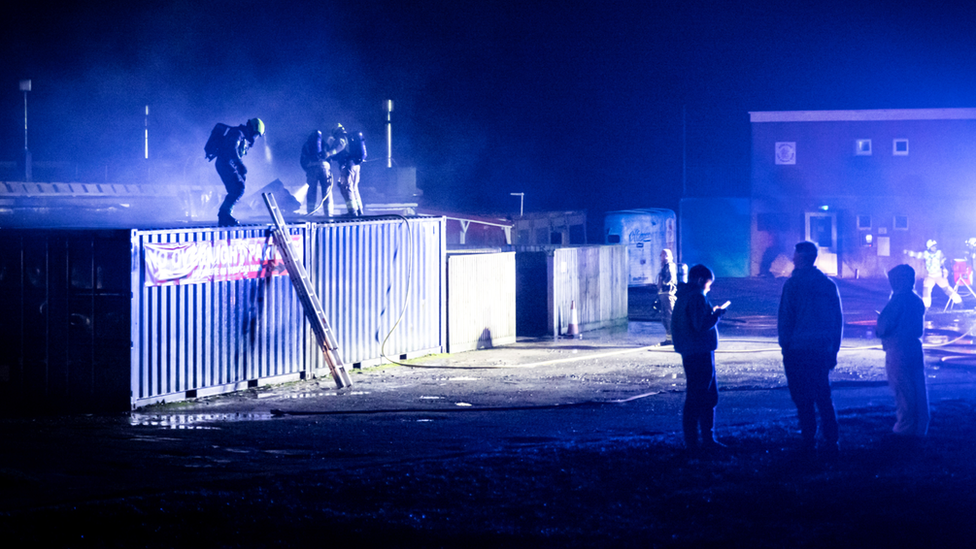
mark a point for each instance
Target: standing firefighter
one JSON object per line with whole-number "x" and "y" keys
{"x": 350, "y": 153}
{"x": 935, "y": 273}
{"x": 667, "y": 291}
{"x": 229, "y": 145}
{"x": 315, "y": 162}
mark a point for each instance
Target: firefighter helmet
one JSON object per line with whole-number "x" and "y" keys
{"x": 256, "y": 126}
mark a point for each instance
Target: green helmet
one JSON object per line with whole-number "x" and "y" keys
{"x": 256, "y": 126}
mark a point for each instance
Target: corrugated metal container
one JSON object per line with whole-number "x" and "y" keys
{"x": 115, "y": 319}
{"x": 595, "y": 277}
{"x": 366, "y": 273}
{"x": 480, "y": 301}
{"x": 645, "y": 232}
{"x": 212, "y": 312}
{"x": 64, "y": 319}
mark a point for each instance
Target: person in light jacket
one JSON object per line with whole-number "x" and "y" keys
{"x": 900, "y": 327}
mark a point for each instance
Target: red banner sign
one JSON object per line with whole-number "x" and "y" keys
{"x": 178, "y": 263}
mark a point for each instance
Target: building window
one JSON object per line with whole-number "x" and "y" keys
{"x": 899, "y": 147}
{"x": 864, "y": 222}
{"x": 900, "y": 223}
{"x": 862, "y": 147}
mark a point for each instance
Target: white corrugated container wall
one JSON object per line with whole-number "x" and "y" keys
{"x": 192, "y": 340}
{"x": 365, "y": 274}
{"x": 595, "y": 278}
{"x": 480, "y": 301}
{"x": 646, "y": 232}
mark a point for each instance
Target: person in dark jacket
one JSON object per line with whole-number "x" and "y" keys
{"x": 230, "y": 165}
{"x": 667, "y": 291}
{"x": 315, "y": 162}
{"x": 810, "y": 326}
{"x": 350, "y": 152}
{"x": 693, "y": 327}
{"x": 900, "y": 327}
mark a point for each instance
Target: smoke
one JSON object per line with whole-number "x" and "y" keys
{"x": 578, "y": 107}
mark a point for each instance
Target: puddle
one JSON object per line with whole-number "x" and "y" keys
{"x": 194, "y": 421}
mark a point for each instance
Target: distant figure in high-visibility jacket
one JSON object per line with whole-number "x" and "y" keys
{"x": 935, "y": 273}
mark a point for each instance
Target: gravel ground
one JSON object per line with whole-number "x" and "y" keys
{"x": 545, "y": 443}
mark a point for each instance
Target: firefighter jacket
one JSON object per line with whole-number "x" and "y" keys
{"x": 233, "y": 147}
{"x": 312, "y": 151}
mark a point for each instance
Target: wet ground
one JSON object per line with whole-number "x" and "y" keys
{"x": 545, "y": 443}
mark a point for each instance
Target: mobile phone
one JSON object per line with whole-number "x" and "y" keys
{"x": 725, "y": 305}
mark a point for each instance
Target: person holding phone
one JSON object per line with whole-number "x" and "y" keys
{"x": 693, "y": 327}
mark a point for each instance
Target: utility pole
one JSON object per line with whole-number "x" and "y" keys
{"x": 388, "y": 104}
{"x": 25, "y": 86}
{"x": 146, "y": 147}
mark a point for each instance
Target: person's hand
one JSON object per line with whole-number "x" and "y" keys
{"x": 718, "y": 310}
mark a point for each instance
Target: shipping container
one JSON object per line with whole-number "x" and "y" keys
{"x": 64, "y": 320}
{"x": 382, "y": 287}
{"x": 213, "y": 311}
{"x": 645, "y": 232}
{"x": 113, "y": 319}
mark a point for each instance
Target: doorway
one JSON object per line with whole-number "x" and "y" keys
{"x": 821, "y": 229}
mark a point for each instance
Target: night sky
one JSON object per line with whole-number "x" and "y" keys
{"x": 577, "y": 104}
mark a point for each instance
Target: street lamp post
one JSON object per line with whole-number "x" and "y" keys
{"x": 521, "y": 202}
{"x": 25, "y": 86}
{"x": 388, "y": 105}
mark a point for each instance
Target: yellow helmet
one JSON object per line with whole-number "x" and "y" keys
{"x": 256, "y": 126}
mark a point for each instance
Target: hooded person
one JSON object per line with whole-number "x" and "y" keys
{"x": 900, "y": 327}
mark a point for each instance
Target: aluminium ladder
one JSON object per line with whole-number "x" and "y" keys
{"x": 311, "y": 304}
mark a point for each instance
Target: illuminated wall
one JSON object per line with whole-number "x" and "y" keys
{"x": 865, "y": 185}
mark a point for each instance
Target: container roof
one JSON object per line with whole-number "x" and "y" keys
{"x": 862, "y": 115}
